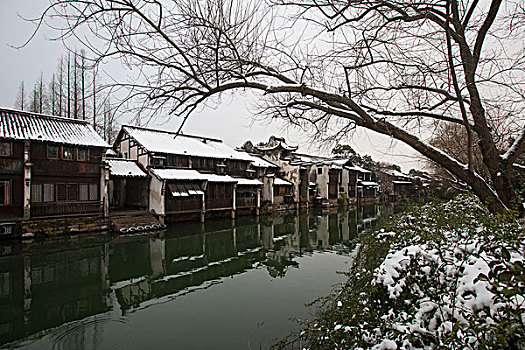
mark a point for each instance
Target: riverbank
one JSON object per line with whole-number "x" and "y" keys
{"x": 446, "y": 275}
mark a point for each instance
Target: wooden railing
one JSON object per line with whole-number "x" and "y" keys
{"x": 220, "y": 203}
{"x": 65, "y": 208}
{"x": 184, "y": 204}
{"x": 246, "y": 202}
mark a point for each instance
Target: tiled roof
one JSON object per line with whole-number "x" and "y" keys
{"x": 277, "y": 142}
{"x": 178, "y": 174}
{"x": 160, "y": 141}
{"x": 125, "y": 168}
{"x": 219, "y": 178}
{"x": 281, "y": 182}
{"x": 357, "y": 168}
{"x": 248, "y": 182}
{"x": 262, "y": 163}
{"x": 21, "y": 125}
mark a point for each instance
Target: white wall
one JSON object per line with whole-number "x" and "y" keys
{"x": 156, "y": 198}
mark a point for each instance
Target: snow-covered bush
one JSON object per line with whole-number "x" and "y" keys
{"x": 445, "y": 275}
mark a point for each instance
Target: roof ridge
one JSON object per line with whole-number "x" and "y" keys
{"x": 41, "y": 115}
{"x": 173, "y": 133}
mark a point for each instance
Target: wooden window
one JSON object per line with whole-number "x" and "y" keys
{"x": 68, "y": 153}
{"x": 282, "y": 190}
{"x": 82, "y": 154}
{"x": 5, "y": 149}
{"x": 93, "y": 192}
{"x": 61, "y": 192}
{"x": 53, "y": 152}
{"x": 72, "y": 192}
{"x": 49, "y": 193}
{"x": 36, "y": 193}
{"x": 5, "y": 192}
{"x": 83, "y": 192}
{"x": 320, "y": 171}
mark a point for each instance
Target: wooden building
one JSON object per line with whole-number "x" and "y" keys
{"x": 165, "y": 149}
{"x": 193, "y": 176}
{"x": 128, "y": 185}
{"x": 49, "y": 167}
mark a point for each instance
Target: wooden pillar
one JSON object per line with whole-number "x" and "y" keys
{"x": 258, "y": 202}
{"x": 234, "y": 200}
{"x": 27, "y": 180}
{"x": 203, "y": 211}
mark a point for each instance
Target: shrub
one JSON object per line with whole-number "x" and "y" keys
{"x": 445, "y": 275}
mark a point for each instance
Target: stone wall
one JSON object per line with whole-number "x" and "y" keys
{"x": 58, "y": 227}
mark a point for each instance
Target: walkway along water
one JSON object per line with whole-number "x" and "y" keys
{"x": 222, "y": 284}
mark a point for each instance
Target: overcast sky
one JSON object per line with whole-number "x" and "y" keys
{"x": 231, "y": 122}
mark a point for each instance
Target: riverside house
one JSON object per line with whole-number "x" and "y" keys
{"x": 50, "y": 167}
{"x": 193, "y": 176}
{"x": 307, "y": 180}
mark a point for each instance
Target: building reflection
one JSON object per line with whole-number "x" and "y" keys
{"x": 44, "y": 285}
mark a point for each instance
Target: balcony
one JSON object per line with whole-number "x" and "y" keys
{"x": 65, "y": 208}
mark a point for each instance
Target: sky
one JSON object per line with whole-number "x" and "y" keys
{"x": 232, "y": 121}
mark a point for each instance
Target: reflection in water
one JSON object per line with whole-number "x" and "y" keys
{"x": 47, "y": 284}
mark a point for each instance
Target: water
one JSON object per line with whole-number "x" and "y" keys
{"x": 221, "y": 285}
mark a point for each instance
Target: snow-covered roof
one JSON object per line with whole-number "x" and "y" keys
{"x": 277, "y": 142}
{"x": 262, "y": 163}
{"x": 402, "y": 182}
{"x": 369, "y": 183}
{"x": 248, "y": 182}
{"x": 396, "y": 173}
{"x": 281, "y": 182}
{"x": 190, "y": 174}
{"x": 125, "y": 168}
{"x": 111, "y": 153}
{"x": 178, "y": 174}
{"x": 160, "y": 141}
{"x": 357, "y": 168}
{"x": 218, "y": 178}
{"x": 21, "y": 125}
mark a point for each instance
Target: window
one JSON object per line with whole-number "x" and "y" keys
{"x": 82, "y": 154}
{"x": 5, "y": 192}
{"x": 68, "y": 153}
{"x": 83, "y": 193}
{"x": 49, "y": 193}
{"x": 61, "y": 192}
{"x": 93, "y": 192}
{"x": 72, "y": 192}
{"x": 5, "y": 148}
{"x": 36, "y": 193}
{"x": 319, "y": 171}
{"x": 53, "y": 151}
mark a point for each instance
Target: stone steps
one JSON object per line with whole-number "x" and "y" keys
{"x": 133, "y": 222}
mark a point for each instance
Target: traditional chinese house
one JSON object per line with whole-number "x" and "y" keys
{"x": 49, "y": 167}
{"x": 192, "y": 176}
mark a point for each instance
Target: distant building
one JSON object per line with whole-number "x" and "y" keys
{"x": 315, "y": 179}
{"x": 50, "y": 167}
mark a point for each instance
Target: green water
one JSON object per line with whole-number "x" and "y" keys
{"x": 222, "y": 285}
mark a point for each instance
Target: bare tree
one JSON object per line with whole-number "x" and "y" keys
{"x": 399, "y": 68}
{"x": 20, "y": 99}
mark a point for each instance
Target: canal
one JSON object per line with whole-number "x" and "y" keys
{"x": 220, "y": 285}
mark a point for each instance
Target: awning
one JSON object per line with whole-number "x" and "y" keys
{"x": 185, "y": 190}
